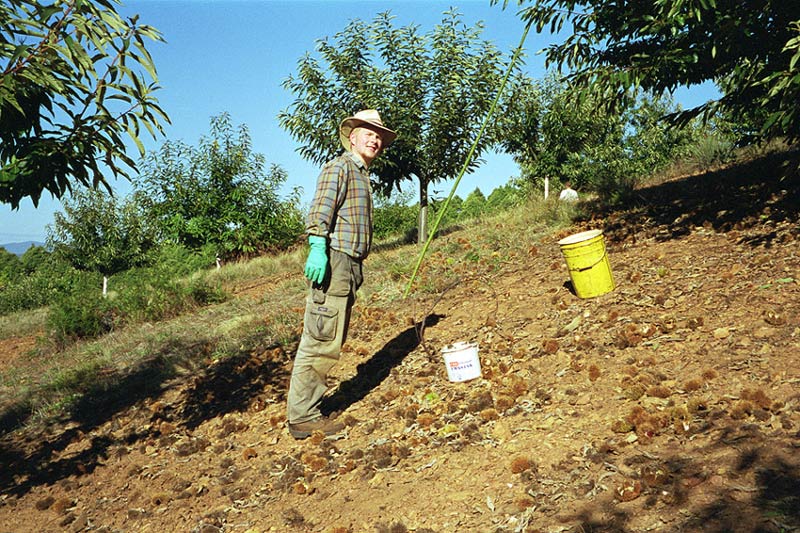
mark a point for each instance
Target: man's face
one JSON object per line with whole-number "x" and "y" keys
{"x": 366, "y": 142}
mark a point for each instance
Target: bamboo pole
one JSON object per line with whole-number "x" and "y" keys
{"x": 467, "y": 160}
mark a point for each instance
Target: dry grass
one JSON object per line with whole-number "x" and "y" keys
{"x": 23, "y": 323}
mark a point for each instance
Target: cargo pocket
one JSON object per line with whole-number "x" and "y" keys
{"x": 321, "y": 322}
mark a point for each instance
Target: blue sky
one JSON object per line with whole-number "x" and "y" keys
{"x": 232, "y": 55}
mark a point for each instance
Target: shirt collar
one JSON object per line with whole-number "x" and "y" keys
{"x": 360, "y": 162}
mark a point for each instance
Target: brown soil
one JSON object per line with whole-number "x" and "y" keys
{"x": 12, "y": 348}
{"x": 669, "y": 404}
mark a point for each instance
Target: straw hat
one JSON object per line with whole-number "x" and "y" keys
{"x": 368, "y": 117}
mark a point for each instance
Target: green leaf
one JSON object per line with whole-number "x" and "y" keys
{"x": 136, "y": 140}
{"x": 431, "y": 398}
{"x": 19, "y": 51}
{"x": 62, "y": 45}
{"x": 794, "y": 60}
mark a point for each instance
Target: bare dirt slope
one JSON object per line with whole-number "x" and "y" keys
{"x": 669, "y": 404}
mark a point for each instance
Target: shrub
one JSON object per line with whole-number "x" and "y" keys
{"x": 81, "y": 312}
{"x": 162, "y": 291}
{"x": 10, "y": 267}
{"x": 394, "y": 217}
{"x": 512, "y": 194}
{"x": 136, "y": 295}
{"x": 711, "y": 150}
{"x": 474, "y": 206}
{"x": 203, "y": 292}
{"x": 147, "y": 294}
{"x": 182, "y": 261}
{"x": 455, "y": 212}
{"x": 50, "y": 281}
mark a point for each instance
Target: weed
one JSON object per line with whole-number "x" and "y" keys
{"x": 711, "y": 150}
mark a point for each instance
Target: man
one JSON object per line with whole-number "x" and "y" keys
{"x": 339, "y": 228}
{"x": 568, "y": 194}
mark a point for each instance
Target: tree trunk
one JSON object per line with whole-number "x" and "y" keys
{"x": 422, "y": 233}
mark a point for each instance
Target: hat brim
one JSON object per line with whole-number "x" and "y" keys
{"x": 349, "y": 124}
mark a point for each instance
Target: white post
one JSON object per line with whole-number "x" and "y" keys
{"x": 546, "y": 187}
{"x": 218, "y": 263}
{"x": 422, "y": 235}
{"x": 105, "y": 287}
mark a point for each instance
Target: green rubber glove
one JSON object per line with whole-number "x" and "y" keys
{"x": 317, "y": 260}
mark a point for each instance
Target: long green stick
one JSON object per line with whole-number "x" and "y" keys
{"x": 432, "y": 232}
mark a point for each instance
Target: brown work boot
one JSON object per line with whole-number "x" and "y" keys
{"x": 321, "y": 423}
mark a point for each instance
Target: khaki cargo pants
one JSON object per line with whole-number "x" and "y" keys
{"x": 327, "y": 318}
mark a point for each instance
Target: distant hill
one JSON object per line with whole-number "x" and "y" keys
{"x": 20, "y": 248}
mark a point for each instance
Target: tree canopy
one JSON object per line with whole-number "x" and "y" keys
{"x": 10, "y": 267}
{"x": 434, "y": 89}
{"x": 550, "y": 133}
{"x": 219, "y": 194}
{"x": 750, "y": 49}
{"x": 76, "y": 81}
{"x": 99, "y": 233}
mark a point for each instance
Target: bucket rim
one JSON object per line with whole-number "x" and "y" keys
{"x": 580, "y": 237}
{"x": 459, "y": 346}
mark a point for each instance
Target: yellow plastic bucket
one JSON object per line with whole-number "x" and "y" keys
{"x": 587, "y": 260}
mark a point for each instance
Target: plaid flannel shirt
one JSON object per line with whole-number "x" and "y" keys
{"x": 342, "y": 206}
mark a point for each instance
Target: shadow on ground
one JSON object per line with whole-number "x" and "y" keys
{"x": 371, "y": 373}
{"x": 738, "y": 198}
{"x": 225, "y": 386}
{"x": 759, "y": 491}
